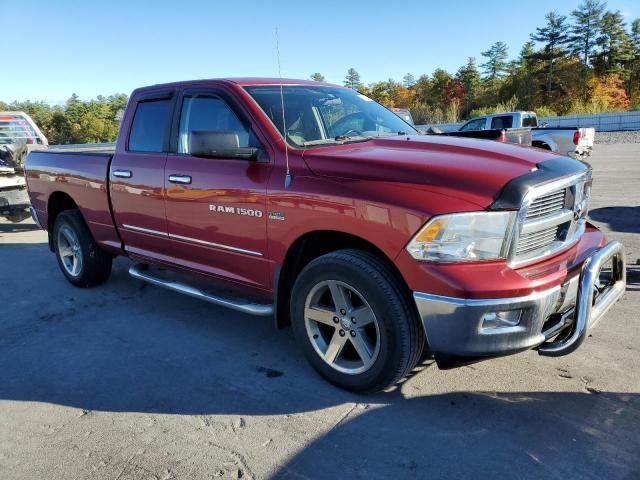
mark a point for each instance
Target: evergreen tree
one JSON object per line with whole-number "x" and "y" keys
{"x": 614, "y": 42}
{"x": 469, "y": 76}
{"x": 585, "y": 28}
{"x": 496, "y": 64}
{"x": 554, "y": 35}
{"x": 317, "y": 77}
{"x": 408, "y": 80}
{"x": 635, "y": 36}
{"x": 352, "y": 80}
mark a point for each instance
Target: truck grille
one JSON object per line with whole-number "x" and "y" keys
{"x": 552, "y": 218}
{"x": 535, "y": 241}
{"x": 547, "y": 204}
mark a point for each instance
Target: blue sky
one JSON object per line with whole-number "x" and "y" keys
{"x": 104, "y": 47}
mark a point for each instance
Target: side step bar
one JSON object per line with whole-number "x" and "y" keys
{"x": 136, "y": 271}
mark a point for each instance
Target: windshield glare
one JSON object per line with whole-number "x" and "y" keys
{"x": 326, "y": 115}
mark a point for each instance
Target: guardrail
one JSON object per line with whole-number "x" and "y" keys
{"x": 602, "y": 122}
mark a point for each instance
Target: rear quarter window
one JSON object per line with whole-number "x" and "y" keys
{"x": 149, "y": 126}
{"x": 505, "y": 121}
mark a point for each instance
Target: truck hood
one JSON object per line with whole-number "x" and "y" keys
{"x": 469, "y": 169}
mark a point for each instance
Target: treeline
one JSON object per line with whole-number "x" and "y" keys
{"x": 586, "y": 62}
{"x": 76, "y": 121}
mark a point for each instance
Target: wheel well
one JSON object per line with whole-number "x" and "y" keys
{"x": 309, "y": 247}
{"x": 58, "y": 203}
{"x": 541, "y": 145}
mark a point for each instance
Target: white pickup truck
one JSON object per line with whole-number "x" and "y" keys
{"x": 572, "y": 141}
{"x": 19, "y": 135}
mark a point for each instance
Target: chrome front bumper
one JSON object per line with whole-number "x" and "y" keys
{"x": 554, "y": 320}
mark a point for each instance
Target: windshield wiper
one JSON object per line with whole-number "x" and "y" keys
{"x": 337, "y": 140}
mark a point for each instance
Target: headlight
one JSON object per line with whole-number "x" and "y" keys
{"x": 463, "y": 237}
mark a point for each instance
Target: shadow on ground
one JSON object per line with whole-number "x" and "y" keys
{"x": 127, "y": 347}
{"x": 619, "y": 219}
{"x": 17, "y": 227}
{"x": 527, "y": 435}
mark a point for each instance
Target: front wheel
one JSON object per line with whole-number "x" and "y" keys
{"x": 80, "y": 259}
{"x": 355, "y": 321}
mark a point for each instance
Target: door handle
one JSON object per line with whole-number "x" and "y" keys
{"x": 184, "y": 179}
{"x": 122, "y": 173}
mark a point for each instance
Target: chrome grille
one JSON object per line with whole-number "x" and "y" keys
{"x": 538, "y": 240}
{"x": 552, "y": 218}
{"x": 547, "y": 204}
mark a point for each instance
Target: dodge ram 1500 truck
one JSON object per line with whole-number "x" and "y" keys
{"x": 314, "y": 205}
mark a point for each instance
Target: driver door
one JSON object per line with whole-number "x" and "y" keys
{"x": 216, "y": 207}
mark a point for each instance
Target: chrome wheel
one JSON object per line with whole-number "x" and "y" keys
{"x": 69, "y": 251}
{"x": 342, "y": 327}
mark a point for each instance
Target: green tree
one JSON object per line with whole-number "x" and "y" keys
{"x": 554, "y": 35}
{"x": 635, "y": 36}
{"x": 352, "y": 80}
{"x": 408, "y": 80}
{"x": 585, "y": 28}
{"x": 496, "y": 64}
{"x": 469, "y": 77}
{"x": 616, "y": 49}
{"x": 317, "y": 77}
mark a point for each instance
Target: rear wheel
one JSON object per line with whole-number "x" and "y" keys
{"x": 80, "y": 259}
{"x": 355, "y": 322}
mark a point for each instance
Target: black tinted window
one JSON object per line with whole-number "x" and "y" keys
{"x": 529, "y": 121}
{"x": 149, "y": 126}
{"x": 502, "y": 122}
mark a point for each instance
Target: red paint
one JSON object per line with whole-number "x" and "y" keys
{"x": 382, "y": 190}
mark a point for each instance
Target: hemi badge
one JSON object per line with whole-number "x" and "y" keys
{"x": 276, "y": 216}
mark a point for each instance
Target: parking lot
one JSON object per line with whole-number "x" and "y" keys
{"x": 129, "y": 381}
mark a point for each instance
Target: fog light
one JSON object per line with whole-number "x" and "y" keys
{"x": 510, "y": 318}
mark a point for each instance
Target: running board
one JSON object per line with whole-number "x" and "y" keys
{"x": 136, "y": 271}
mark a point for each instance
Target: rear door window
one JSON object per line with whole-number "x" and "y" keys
{"x": 150, "y": 124}
{"x": 505, "y": 121}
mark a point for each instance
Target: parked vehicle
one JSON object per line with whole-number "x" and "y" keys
{"x": 572, "y": 141}
{"x": 516, "y": 136}
{"x": 18, "y": 136}
{"x": 403, "y": 113}
{"x": 377, "y": 244}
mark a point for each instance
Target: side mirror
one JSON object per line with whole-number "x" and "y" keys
{"x": 215, "y": 144}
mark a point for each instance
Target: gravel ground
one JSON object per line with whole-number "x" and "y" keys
{"x": 609, "y": 138}
{"x": 128, "y": 381}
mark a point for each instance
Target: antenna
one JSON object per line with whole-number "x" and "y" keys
{"x": 288, "y": 177}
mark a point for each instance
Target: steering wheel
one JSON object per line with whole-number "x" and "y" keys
{"x": 344, "y": 121}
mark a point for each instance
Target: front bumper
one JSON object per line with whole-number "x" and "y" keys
{"x": 554, "y": 320}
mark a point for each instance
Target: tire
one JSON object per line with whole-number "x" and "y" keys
{"x": 86, "y": 265}
{"x": 384, "y": 322}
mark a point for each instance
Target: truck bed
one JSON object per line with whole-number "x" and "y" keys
{"x": 81, "y": 174}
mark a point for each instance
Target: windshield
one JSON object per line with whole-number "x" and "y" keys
{"x": 318, "y": 115}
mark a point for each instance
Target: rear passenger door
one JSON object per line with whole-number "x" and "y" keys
{"x": 137, "y": 178}
{"x": 216, "y": 207}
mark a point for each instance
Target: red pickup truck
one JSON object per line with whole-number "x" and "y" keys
{"x": 314, "y": 205}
